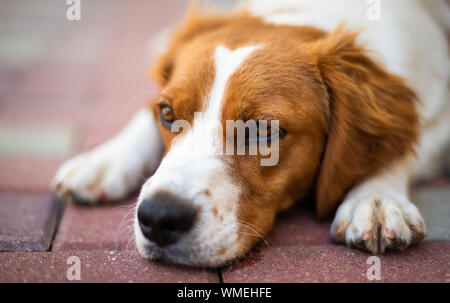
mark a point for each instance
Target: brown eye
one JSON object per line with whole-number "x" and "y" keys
{"x": 167, "y": 116}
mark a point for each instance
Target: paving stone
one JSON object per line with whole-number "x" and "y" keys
{"x": 426, "y": 262}
{"x": 434, "y": 205}
{"x": 42, "y": 10}
{"x": 95, "y": 266}
{"x": 36, "y": 140}
{"x": 6, "y": 82}
{"x": 88, "y": 41}
{"x": 27, "y": 222}
{"x": 61, "y": 84}
{"x": 299, "y": 225}
{"x": 29, "y": 174}
{"x": 101, "y": 227}
{"x": 81, "y": 46}
{"x": 32, "y": 32}
{"x": 18, "y": 51}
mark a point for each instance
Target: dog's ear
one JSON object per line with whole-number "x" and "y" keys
{"x": 373, "y": 118}
{"x": 194, "y": 24}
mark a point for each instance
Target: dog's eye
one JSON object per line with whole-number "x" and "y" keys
{"x": 265, "y": 131}
{"x": 166, "y": 114}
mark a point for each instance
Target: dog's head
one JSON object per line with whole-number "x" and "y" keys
{"x": 333, "y": 117}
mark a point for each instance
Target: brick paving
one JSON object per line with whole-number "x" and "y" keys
{"x": 28, "y": 221}
{"x": 51, "y": 70}
{"x": 96, "y": 266}
{"x": 427, "y": 262}
{"x": 105, "y": 227}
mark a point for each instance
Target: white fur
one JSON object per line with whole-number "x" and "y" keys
{"x": 189, "y": 172}
{"x": 378, "y": 212}
{"x": 116, "y": 167}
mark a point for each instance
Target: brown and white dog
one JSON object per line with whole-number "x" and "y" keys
{"x": 359, "y": 115}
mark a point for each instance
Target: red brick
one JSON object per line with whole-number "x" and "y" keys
{"x": 299, "y": 226}
{"x": 96, "y": 266}
{"x": 27, "y": 174}
{"x": 27, "y": 222}
{"x": 56, "y": 84}
{"x": 101, "y": 227}
{"x": 427, "y": 262}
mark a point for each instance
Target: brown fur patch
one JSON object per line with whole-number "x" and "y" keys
{"x": 345, "y": 116}
{"x": 373, "y": 117}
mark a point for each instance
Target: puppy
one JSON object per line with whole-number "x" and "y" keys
{"x": 355, "y": 111}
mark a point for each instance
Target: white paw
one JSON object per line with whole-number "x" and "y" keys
{"x": 378, "y": 223}
{"x": 107, "y": 173}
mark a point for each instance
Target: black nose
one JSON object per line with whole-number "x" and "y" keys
{"x": 164, "y": 218}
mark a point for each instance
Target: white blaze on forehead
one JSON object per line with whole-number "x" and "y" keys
{"x": 189, "y": 174}
{"x": 190, "y": 164}
{"x": 226, "y": 63}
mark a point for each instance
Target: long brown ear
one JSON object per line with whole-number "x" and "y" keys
{"x": 194, "y": 24}
{"x": 373, "y": 119}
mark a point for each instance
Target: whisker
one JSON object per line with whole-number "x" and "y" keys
{"x": 126, "y": 224}
{"x": 131, "y": 242}
{"x": 253, "y": 229}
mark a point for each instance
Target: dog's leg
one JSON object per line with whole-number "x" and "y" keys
{"x": 377, "y": 214}
{"x": 435, "y": 139}
{"x": 114, "y": 169}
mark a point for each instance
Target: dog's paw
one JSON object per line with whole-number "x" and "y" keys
{"x": 107, "y": 173}
{"x": 378, "y": 223}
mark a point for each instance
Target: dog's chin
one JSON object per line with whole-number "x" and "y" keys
{"x": 189, "y": 253}
{"x": 185, "y": 257}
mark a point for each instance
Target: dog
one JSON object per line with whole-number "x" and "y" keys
{"x": 360, "y": 91}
